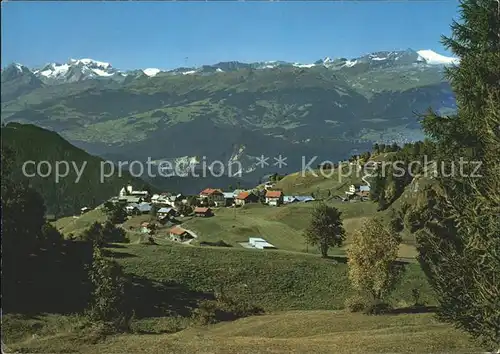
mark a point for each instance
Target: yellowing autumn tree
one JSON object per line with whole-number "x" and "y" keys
{"x": 372, "y": 254}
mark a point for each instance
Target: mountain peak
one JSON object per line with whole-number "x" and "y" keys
{"x": 434, "y": 58}
{"x": 151, "y": 71}
{"x": 91, "y": 62}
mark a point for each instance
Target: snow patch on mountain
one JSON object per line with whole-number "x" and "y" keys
{"x": 434, "y": 58}
{"x": 91, "y": 62}
{"x": 350, "y": 63}
{"x": 151, "y": 71}
{"x": 54, "y": 70}
{"x": 100, "y": 72}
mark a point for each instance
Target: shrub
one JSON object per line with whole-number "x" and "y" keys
{"x": 108, "y": 305}
{"x": 223, "y": 309}
{"x": 356, "y": 303}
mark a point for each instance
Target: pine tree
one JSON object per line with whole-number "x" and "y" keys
{"x": 459, "y": 247}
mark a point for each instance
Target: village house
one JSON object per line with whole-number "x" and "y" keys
{"x": 129, "y": 191}
{"x": 132, "y": 208}
{"x": 353, "y": 188}
{"x": 305, "y": 198}
{"x": 179, "y": 234}
{"x": 269, "y": 185}
{"x": 213, "y": 196}
{"x": 287, "y": 199}
{"x": 165, "y": 213}
{"x": 144, "y": 208}
{"x": 246, "y": 197}
{"x": 274, "y": 198}
{"x": 130, "y": 199}
{"x": 237, "y": 192}
{"x": 229, "y": 197}
{"x": 202, "y": 211}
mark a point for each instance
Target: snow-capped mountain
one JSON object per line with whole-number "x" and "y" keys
{"x": 151, "y": 71}
{"x": 76, "y": 70}
{"x": 83, "y": 69}
{"x": 433, "y": 58}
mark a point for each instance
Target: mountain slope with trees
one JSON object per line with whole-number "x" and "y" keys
{"x": 28, "y": 142}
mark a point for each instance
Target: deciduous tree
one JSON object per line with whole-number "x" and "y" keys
{"x": 326, "y": 229}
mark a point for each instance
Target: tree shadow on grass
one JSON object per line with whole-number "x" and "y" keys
{"x": 413, "y": 310}
{"x": 337, "y": 259}
{"x": 148, "y": 298}
{"x": 110, "y": 253}
{"x": 54, "y": 281}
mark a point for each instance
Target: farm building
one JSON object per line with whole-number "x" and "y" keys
{"x": 179, "y": 234}
{"x": 214, "y": 196}
{"x": 287, "y": 199}
{"x": 132, "y": 208}
{"x": 229, "y": 197}
{"x": 129, "y": 199}
{"x": 274, "y": 198}
{"x": 259, "y": 243}
{"x": 245, "y": 197}
{"x": 85, "y": 210}
{"x": 144, "y": 208}
{"x": 165, "y": 212}
{"x": 201, "y": 211}
{"x": 305, "y": 198}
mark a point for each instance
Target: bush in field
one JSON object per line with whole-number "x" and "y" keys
{"x": 373, "y": 269}
{"x": 108, "y": 304}
{"x": 224, "y": 308}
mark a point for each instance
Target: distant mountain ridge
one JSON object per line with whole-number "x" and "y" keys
{"x": 233, "y": 111}
{"x": 84, "y": 69}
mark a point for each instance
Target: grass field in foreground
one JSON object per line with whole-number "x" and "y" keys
{"x": 273, "y": 280}
{"x": 287, "y": 332}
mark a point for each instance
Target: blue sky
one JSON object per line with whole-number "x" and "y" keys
{"x": 167, "y": 35}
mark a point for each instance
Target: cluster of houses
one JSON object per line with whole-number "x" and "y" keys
{"x": 357, "y": 191}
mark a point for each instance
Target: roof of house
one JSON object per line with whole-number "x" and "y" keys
{"x": 165, "y": 210}
{"x": 243, "y": 195}
{"x": 144, "y": 207}
{"x": 201, "y": 209}
{"x": 364, "y": 188}
{"x": 228, "y": 195}
{"x": 273, "y": 194}
{"x": 304, "y": 198}
{"x": 210, "y": 191}
{"x": 176, "y": 230}
{"x": 131, "y": 199}
{"x": 237, "y": 191}
{"x": 262, "y": 245}
{"x": 256, "y": 239}
{"x": 260, "y": 242}
{"x": 155, "y": 196}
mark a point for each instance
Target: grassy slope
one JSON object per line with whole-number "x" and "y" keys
{"x": 282, "y": 226}
{"x": 69, "y": 194}
{"x": 171, "y": 278}
{"x": 288, "y": 332}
